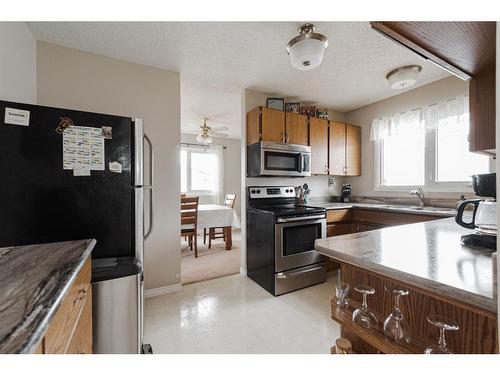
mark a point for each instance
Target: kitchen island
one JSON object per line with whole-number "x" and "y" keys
{"x": 35, "y": 284}
{"x": 443, "y": 276}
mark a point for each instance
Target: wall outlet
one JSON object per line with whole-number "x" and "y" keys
{"x": 177, "y": 275}
{"x": 331, "y": 181}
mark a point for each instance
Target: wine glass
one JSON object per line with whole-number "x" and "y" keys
{"x": 342, "y": 292}
{"x": 444, "y": 324}
{"x": 363, "y": 316}
{"x": 395, "y": 327}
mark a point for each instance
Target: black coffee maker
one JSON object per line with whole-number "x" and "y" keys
{"x": 483, "y": 213}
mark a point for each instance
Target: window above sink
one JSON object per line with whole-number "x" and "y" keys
{"x": 427, "y": 147}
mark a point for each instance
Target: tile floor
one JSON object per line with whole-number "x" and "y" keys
{"x": 234, "y": 315}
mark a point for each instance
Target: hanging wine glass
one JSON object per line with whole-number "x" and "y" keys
{"x": 395, "y": 327}
{"x": 444, "y": 324}
{"x": 363, "y": 316}
{"x": 342, "y": 293}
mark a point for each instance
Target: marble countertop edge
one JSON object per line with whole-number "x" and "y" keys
{"x": 433, "y": 287}
{"x": 33, "y": 341}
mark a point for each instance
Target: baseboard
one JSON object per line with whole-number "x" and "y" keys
{"x": 155, "y": 292}
{"x": 243, "y": 271}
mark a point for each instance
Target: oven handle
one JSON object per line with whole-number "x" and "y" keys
{"x": 303, "y": 218}
{"x": 287, "y": 275}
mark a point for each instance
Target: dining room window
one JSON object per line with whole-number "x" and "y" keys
{"x": 202, "y": 172}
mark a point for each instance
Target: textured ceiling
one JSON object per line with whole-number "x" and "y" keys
{"x": 217, "y": 60}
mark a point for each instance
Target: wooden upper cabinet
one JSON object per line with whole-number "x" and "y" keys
{"x": 466, "y": 49}
{"x": 297, "y": 129}
{"x": 272, "y": 125}
{"x": 318, "y": 139}
{"x": 353, "y": 150}
{"x": 253, "y": 126}
{"x": 337, "y": 148}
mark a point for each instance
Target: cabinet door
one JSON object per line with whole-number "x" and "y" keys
{"x": 340, "y": 229}
{"x": 318, "y": 139}
{"x": 297, "y": 129}
{"x": 273, "y": 125}
{"x": 353, "y": 150}
{"x": 253, "y": 126}
{"x": 337, "y": 148}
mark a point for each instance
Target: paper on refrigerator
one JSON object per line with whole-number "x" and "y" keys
{"x": 83, "y": 146}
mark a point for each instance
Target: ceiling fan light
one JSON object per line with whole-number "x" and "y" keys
{"x": 307, "y": 50}
{"x": 403, "y": 77}
{"x": 204, "y": 139}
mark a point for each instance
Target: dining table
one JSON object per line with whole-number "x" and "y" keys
{"x": 218, "y": 216}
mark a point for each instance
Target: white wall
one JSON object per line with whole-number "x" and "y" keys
{"x": 17, "y": 63}
{"x": 232, "y": 165}
{"x": 433, "y": 93}
{"x": 75, "y": 79}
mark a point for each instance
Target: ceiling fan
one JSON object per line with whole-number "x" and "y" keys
{"x": 206, "y": 133}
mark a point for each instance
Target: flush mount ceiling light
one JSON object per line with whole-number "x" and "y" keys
{"x": 403, "y": 77}
{"x": 307, "y": 49}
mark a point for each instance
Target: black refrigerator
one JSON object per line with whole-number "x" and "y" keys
{"x": 69, "y": 175}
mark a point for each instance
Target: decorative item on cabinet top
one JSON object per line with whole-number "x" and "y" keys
{"x": 276, "y": 103}
{"x": 292, "y": 107}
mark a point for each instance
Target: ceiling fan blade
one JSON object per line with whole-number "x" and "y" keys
{"x": 220, "y": 128}
{"x": 219, "y": 135}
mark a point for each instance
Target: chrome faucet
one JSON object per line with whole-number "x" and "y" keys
{"x": 420, "y": 193}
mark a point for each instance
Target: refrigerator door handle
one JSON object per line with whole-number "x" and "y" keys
{"x": 150, "y": 187}
{"x": 138, "y": 152}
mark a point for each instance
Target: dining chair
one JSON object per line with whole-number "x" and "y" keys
{"x": 213, "y": 233}
{"x": 189, "y": 221}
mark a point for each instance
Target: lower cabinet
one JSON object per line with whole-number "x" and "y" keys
{"x": 71, "y": 328}
{"x": 340, "y": 229}
{"x": 346, "y": 221}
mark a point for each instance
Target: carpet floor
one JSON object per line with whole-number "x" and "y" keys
{"x": 210, "y": 264}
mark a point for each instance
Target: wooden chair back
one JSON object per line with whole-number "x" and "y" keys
{"x": 189, "y": 210}
{"x": 229, "y": 200}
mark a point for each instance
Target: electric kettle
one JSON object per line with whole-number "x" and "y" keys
{"x": 484, "y": 216}
{"x": 484, "y": 213}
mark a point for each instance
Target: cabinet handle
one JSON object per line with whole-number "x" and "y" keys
{"x": 80, "y": 296}
{"x": 326, "y": 169}
{"x": 287, "y": 138}
{"x": 282, "y": 137}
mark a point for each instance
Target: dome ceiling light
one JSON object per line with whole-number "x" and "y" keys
{"x": 403, "y": 77}
{"x": 307, "y": 49}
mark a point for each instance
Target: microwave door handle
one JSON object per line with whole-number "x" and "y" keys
{"x": 301, "y": 163}
{"x": 150, "y": 187}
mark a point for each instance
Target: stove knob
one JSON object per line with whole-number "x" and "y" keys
{"x": 253, "y": 191}
{"x": 258, "y": 191}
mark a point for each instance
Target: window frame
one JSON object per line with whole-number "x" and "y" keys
{"x": 189, "y": 191}
{"x": 430, "y": 183}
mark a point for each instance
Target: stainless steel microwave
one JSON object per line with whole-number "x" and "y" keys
{"x": 278, "y": 159}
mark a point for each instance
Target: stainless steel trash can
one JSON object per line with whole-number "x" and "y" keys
{"x": 117, "y": 306}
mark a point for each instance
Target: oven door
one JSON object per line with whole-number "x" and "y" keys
{"x": 294, "y": 243}
{"x": 285, "y": 163}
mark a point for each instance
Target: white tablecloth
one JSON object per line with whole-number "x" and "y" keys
{"x": 213, "y": 215}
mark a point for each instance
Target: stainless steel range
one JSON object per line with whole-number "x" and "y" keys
{"x": 280, "y": 240}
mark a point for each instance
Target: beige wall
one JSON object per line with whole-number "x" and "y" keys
{"x": 232, "y": 165}
{"x": 85, "y": 81}
{"x": 17, "y": 63}
{"x": 432, "y": 93}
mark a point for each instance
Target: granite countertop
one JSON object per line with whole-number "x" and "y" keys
{"x": 416, "y": 210}
{"x": 33, "y": 282}
{"x": 427, "y": 254}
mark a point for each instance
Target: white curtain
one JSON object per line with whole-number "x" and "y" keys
{"x": 421, "y": 118}
{"x": 219, "y": 182}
